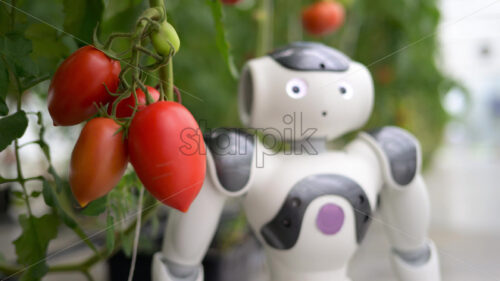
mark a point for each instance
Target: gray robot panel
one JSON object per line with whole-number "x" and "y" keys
{"x": 232, "y": 151}
{"x": 283, "y": 230}
{"x": 401, "y": 150}
{"x": 309, "y": 56}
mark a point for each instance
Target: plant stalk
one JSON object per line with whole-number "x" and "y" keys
{"x": 136, "y": 237}
{"x": 265, "y": 27}
{"x": 167, "y": 80}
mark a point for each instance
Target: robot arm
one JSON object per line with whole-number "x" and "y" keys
{"x": 188, "y": 235}
{"x": 404, "y": 205}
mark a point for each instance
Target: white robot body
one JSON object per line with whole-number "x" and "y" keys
{"x": 317, "y": 254}
{"x": 309, "y": 206}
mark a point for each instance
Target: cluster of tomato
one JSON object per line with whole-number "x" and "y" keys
{"x": 170, "y": 169}
{"x": 321, "y": 18}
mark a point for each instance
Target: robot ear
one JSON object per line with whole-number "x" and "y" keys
{"x": 246, "y": 95}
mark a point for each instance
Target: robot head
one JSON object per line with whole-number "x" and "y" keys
{"x": 302, "y": 87}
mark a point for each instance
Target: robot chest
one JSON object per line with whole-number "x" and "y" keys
{"x": 319, "y": 206}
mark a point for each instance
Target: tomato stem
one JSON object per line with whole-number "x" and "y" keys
{"x": 20, "y": 177}
{"x": 136, "y": 236}
{"x": 294, "y": 32}
{"x": 264, "y": 15}
{"x": 114, "y": 36}
{"x": 157, "y": 3}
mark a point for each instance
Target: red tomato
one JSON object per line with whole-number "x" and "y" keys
{"x": 168, "y": 153}
{"x": 230, "y": 2}
{"x": 98, "y": 161}
{"x": 125, "y": 108}
{"x": 79, "y": 83}
{"x": 323, "y": 17}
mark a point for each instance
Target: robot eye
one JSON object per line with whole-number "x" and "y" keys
{"x": 296, "y": 88}
{"x": 345, "y": 90}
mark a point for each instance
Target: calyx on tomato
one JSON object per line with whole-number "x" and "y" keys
{"x": 125, "y": 108}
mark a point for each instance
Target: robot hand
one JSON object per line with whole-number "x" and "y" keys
{"x": 164, "y": 270}
{"x": 417, "y": 265}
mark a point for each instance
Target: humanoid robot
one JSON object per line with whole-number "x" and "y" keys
{"x": 309, "y": 206}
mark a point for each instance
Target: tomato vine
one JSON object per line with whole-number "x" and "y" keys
{"x": 32, "y": 244}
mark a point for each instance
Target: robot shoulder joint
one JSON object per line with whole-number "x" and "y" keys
{"x": 230, "y": 159}
{"x": 399, "y": 153}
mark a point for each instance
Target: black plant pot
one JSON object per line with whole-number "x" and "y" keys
{"x": 119, "y": 266}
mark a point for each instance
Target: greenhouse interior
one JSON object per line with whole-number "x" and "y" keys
{"x": 249, "y": 140}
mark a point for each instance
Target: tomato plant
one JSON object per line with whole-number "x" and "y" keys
{"x": 158, "y": 153}
{"x": 79, "y": 86}
{"x": 98, "y": 161}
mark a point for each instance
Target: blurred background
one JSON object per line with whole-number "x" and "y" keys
{"x": 436, "y": 67}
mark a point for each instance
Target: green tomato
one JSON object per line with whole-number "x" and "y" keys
{"x": 163, "y": 36}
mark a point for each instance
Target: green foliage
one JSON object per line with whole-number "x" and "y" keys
{"x": 408, "y": 84}
{"x": 16, "y": 49}
{"x": 95, "y": 207}
{"x": 51, "y": 199}
{"x": 221, "y": 37}
{"x": 57, "y": 179}
{"x": 122, "y": 203}
{"x": 48, "y": 46}
{"x": 110, "y": 232}
{"x": 12, "y": 127}
{"x": 31, "y": 245}
{"x": 4, "y": 86}
{"x": 4, "y": 19}
{"x": 396, "y": 39}
{"x": 81, "y": 18}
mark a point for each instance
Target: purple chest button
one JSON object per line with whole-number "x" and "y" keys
{"x": 330, "y": 219}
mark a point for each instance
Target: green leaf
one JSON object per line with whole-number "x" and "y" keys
{"x": 114, "y": 7}
{"x": 95, "y": 207}
{"x": 25, "y": 66}
{"x": 16, "y": 49}
{"x": 59, "y": 182}
{"x": 122, "y": 21}
{"x": 4, "y": 19}
{"x": 4, "y": 87}
{"x": 12, "y": 127}
{"x": 35, "y": 194}
{"x": 221, "y": 37}
{"x": 52, "y": 200}
{"x": 82, "y": 17}
{"x": 110, "y": 233}
{"x": 3, "y": 107}
{"x": 45, "y": 148}
{"x": 15, "y": 45}
{"x": 127, "y": 243}
{"x": 18, "y": 194}
{"x": 31, "y": 245}
{"x": 48, "y": 47}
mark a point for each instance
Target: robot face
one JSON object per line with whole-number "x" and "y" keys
{"x": 305, "y": 90}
